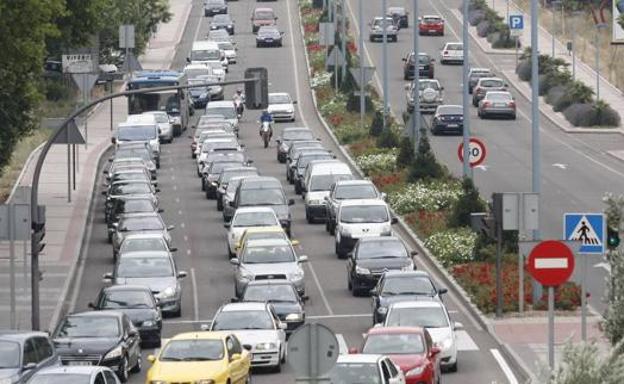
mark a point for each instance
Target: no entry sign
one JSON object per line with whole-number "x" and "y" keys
{"x": 476, "y": 149}
{"x": 551, "y": 263}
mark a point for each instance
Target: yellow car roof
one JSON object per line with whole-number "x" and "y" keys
{"x": 273, "y": 228}
{"x": 201, "y": 335}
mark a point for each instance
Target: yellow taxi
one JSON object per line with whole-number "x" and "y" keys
{"x": 200, "y": 358}
{"x": 261, "y": 233}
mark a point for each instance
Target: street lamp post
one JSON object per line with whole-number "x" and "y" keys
{"x": 361, "y": 55}
{"x": 467, "y": 171}
{"x": 416, "y": 115}
{"x": 385, "y": 62}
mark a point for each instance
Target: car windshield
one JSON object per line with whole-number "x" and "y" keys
{"x": 354, "y": 373}
{"x": 254, "y": 219}
{"x": 450, "y": 110}
{"x": 281, "y": 293}
{"x": 379, "y": 21}
{"x": 492, "y": 83}
{"x": 221, "y": 18}
{"x": 455, "y": 47}
{"x": 9, "y": 354}
{"x": 151, "y": 223}
{"x": 126, "y": 153}
{"x": 324, "y": 182}
{"x": 127, "y": 299}
{"x": 426, "y": 317}
{"x": 137, "y": 133}
{"x": 431, "y": 20}
{"x": 266, "y": 235}
{"x": 232, "y": 320}
{"x": 131, "y": 189}
{"x": 144, "y": 267}
{"x": 227, "y": 175}
{"x": 264, "y": 15}
{"x": 355, "y": 192}
{"x": 61, "y": 378}
{"x": 364, "y": 214}
{"x": 145, "y": 244}
{"x": 381, "y": 249}
{"x": 267, "y": 255}
{"x": 303, "y": 161}
{"x": 279, "y": 98}
{"x": 424, "y": 84}
{"x": 209, "y": 145}
{"x": 135, "y": 175}
{"x": 481, "y": 74}
{"x": 237, "y": 157}
{"x": 267, "y": 31}
{"x": 219, "y": 166}
{"x": 205, "y": 55}
{"x": 192, "y": 350}
{"x": 394, "y": 344}
{"x": 89, "y": 326}
{"x": 193, "y": 73}
{"x": 423, "y": 58}
{"x": 227, "y": 112}
{"x": 498, "y": 96}
{"x": 269, "y": 196}
{"x": 225, "y": 45}
{"x": 136, "y": 206}
{"x": 297, "y": 134}
{"x": 408, "y": 286}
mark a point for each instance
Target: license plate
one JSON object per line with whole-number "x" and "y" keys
{"x": 452, "y": 125}
{"x": 269, "y": 40}
{"x": 499, "y": 104}
{"x": 79, "y": 363}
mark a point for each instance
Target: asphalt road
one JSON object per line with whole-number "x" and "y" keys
{"x": 200, "y": 236}
{"x": 576, "y": 169}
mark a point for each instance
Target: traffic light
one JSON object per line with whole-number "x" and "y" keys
{"x": 257, "y": 92}
{"x": 613, "y": 238}
{"x": 38, "y": 228}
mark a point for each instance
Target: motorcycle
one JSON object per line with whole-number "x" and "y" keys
{"x": 266, "y": 132}
{"x": 240, "y": 107}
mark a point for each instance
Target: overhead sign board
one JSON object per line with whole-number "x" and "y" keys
{"x": 78, "y": 63}
{"x": 586, "y": 228}
{"x": 551, "y": 263}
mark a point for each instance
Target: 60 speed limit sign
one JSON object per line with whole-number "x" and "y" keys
{"x": 476, "y": 149}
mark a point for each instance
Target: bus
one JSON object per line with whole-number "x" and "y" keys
{"x": 175, "y": 103}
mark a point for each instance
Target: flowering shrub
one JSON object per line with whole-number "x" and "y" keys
{"x": 426, "y": 223}
{"x": 567, "y": 297}
{"x": 452, "y": 247}
{"x": 377, "y": 163}
{"x": 389, "y": 182}
{"x": 337, "y": 105}
{"x": 428, "y": 196}
{"x": 310, "y": 28}
{"x": 311, "y": 38}
{"x": 320, "y": 79}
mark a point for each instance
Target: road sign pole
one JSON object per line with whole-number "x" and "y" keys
{"x": 551, "y": 327}
{"x": 499, "y": 272}
{"x": 361, "y": 54}
{"x": 336, "y": 49}
{"x": 11, "y": 211}
{"x": 467, "y": 170}
{"x": 521, "y": 255}
{"x": 584, "y": 297}
{"x": 416, "y": 115}
{"x": 385, "y": 62}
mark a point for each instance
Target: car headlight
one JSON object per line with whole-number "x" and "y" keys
{"x": 246, "y": 275}
{"x": 114, "y": 353}
{"x": 382, "y": 310}
{"x": 297, "y": 275}
{"x": 284, "y": 147}
{"x": 361, "y": 271}
{"x": 205, "y": 381}
{"x": 386, "y": 230}
{"x": 294, "y": 317}
{"x": 415, "y": 371}
{"x": 265, "y": 346}
{"x": 345, "y": 231}
{"x": 158, "y": 382}
{"x": 203, "y": 95}
{"x": 168, "y": 293}
{"x": 148, "y": 323}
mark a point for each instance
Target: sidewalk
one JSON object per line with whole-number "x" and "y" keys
{"x": 67, "y": 221}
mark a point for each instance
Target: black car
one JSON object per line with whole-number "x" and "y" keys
{"x": 426, "y": 68}
{"x": 105, "y": 338}
{"x": 211, "y": 174}
{"x": 400, "y": 16}
{"x": 138, "y": 302}
{"x": 129, "y": 204}
{"x": 225, "y": 177}
{"x": 269, "y": 36}
{"x": 371, "y": 257}
{"x": 401, "y": 286}
{"x": 282, "y": 294}
{"x": 448, "y": 119}
{"x": 222, "y": 22}
{"x": 288, "y": 136}
{"x": 214, "y": 7}
{"x": 24, "y": 353}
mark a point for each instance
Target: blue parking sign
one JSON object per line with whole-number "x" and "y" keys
{"x": 516, "y": 21}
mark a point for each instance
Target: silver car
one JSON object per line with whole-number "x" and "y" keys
{"x": 497, "y": 104}
{"x": 429, "y": 95}
{"x": 268, "y": 259}
{"x": 139, "y": 223}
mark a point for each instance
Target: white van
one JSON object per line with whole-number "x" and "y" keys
{"x": 140, "y": 128}
{"x": 193, "y": 71}
{"x": 204, "y": 52}
{"x": 319, "y": 176}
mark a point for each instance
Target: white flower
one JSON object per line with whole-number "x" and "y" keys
{"x": 378, "y": 162}
{"x": 431, "y": 196}
{"x": 451, "y": 247}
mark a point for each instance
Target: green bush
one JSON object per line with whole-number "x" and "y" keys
{"x": 576, "y": 93}
{"x": 425, "y": 165}
{"x": 555, "y": 94}
{"x": 376, "y": 127}
{"x": 592, "y": 115}
{"x": 388, "y": 138}
{"x": 469, "y": 202}
{"x": 353, "y": 103}
{"x": 406, "y": 153}
{"x": 524, "y": 70}
{"x": 55, "y": 90}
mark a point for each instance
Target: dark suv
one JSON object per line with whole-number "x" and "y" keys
{"x": 425, "y": 66}
{"x": 23, "y": 354}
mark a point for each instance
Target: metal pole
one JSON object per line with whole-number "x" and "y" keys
{"x": 361, "y": 54}
{"x": 336, "y": 49}
{"x": 573, "y": 51}
{"x": 385, "y": 62}
{"x": 68, "y": 166}
{"x": 507, "y": 13}
{"x": 520, "y": 254}
{"x": 343, "y": 26}
{"x": 416, "y": 115}
{"x": 25, "y": 272}
{"x": 85, "y": 101}
{"x": 551, "y": 327}
{"x": 597, "y": 63}
{"x": 517, "y": 41}
{"x": 74, "y": 165}
{"x": 552, "y": 33}
{"x": 584, "y": 298}
{"x": 12, "y": 264}
{"x": 467, "y": 171}
{"x": 111, "y": 106}
{"x": 499, "y": 271}
{"x": 536, "y": 176}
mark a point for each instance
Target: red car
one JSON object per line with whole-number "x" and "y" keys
{"x": 410, "y": 348}
{"x": 431, "y": 25}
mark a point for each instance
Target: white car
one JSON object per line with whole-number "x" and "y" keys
{"x": 361, "y": 218}
{"x": 225, "y": 108}
{"x": 245, "y": 218}
{"x": 257, "y": 326}
{"x": 433, "y": 315}
{"x": 452, "y": 53}
{"x": 165, "y": 126}
{"x": 281, "y": 106}
{"x": 230, "y": 51}
{"x": 94, "y": 374}
{"x": 365, "y": 368}
{"x": 209, "y": 145}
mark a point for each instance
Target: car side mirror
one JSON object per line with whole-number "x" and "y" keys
{"x": 442, "y": 291}
{"x": 291, "y": 201}
{"x": 435, "y": 350}
{"x": 294, "y": 243}
{"x": 161, "y": 210}
{"x": 113, "y": 140}
{"x": 157, "y": 190}
{"x": 414, "y": 253}
{"x": 29, "y": 366}
{"x": 105, "y": 172}
{"x": 394, "y": 220}
{"x": 171, "y": 228}
{"x": 384, "y": 195}
{"x": 151, "y": 358}
{"x": 234, "y": 300}
{"x": 373, "y": 292}
{"x": 404, "y": 59}
{"x": 305, "y": 297}
{"x": 235, "y": 357}
{"x": 303, "y": 259}
{"x": 173, "y": 249}
{"x": 353, "y": 351}
{"x": 235, "y": 261}
{"x": 283, "y": 326}
{"x": 133, "y": 332}
{"x": 294, "y": 102}
{"x": 227, "y": 225}
{"x": 107, "y": 277}
{"x": 91, "y": 305}
{"x": 247, "y": 347}
{"x": 188, "y": 59}
{"x": 378, "y": 325}
{"x": 104, "y": 193}
{"x": 182, "y": 274}
{"x": 458, "y": 326}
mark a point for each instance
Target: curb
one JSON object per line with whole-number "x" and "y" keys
{"x": 461, "y": 295}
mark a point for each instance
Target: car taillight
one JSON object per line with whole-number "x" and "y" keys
{"x": 446, "y": 52}
{"x": 511, "y": 104}
{"x": 487, "y": 104}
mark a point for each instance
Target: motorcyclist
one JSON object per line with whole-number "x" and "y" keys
{"x": 266, "y": 117}
{"x": 239, "y": 100}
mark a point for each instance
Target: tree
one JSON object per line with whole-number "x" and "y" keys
{"x": 614, "y": 316}
{"x": 425, "y": 166}
{"x": 81, "y": 21}
{"x": 584, "y": 363}
{"x": 406, "y": 153}
{"x": 24, "y": 27}
{"x": 469, "y": 202}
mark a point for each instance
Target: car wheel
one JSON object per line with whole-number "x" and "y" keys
{"x": 309, "y": 218}
{"x": 513, "y": 117}
{"x": 297, "y": 189}
{"x": 178, "y": 312}
{"x": 332, "y": 229}
{"x": 122, "y": 371}
{"x": 219, "y": 205}
{"x": 203, "y": 185}
{"x": 138, "y": 366}
{"x": 277, "y": 368}
{"x": 349, "y": 284}
{"x": 453, "y": 368}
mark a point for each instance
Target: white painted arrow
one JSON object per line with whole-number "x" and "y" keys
{"x": 484, "y": 168}
{"x": 604, "y": 265}
{"x": 560, "y": 165}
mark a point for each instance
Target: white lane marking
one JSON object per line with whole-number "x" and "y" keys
{"x": 198, "y": 28}
{"x": 342, "y": 344}
{"x": 604, "y": 265}
{"x": 195, "y": 297}
{"x": 504, "y": 366}
{"x": 175, "y": 187}
{"x": 320, "y": 288}
{"x": 188, "y": 252}
{"x": 177, "y": 200}
{"x": 346, "y": 316}
{"x": 560, "y": 165}
{"x": 185, "y": 238}
{"x": 551, "y": 263}
{"x": 482, "y": 167}
{"x": 172, "y": 177}
{"x": 179, "y": 213}
{"x": 295, "y": 62}
{"x": 182, "y": 225}
{"x": 465, "y": 342}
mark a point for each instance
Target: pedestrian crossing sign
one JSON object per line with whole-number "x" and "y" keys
{"x": 588, "y": 228}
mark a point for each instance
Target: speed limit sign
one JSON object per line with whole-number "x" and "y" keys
{"x": 476, "y": 149}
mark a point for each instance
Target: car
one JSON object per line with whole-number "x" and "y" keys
{"x": 139, "y": 223}
{"x": 227, "y": 109}
{"x": 220, "y": 35}
{"x": 139, "y": 129}
{"x": 357, "y": 219}
{"x": 228, "y": 143}
{"x": 475, "y": 74}
{"x": 258, "y": 328}
{"x": 452, "y": 53}
{"x": 75, "y": 374}
{"x": 296, "y": 171}
{"x": 219, "y": 68}
{"x": 201, "y": 357}
{"x": 432, "y": 315}
{"x": 371, "y": 257}
{"x": 245, "y": 218}
{"x": 259, "y": 233}
{"x": 210, "y": 130}
{"x": 399, "y": 15}
{"x": 109, "y": 216}
{"x": 300, "y": 179}
{"x": 105, "y": 338}
{"x": 165, "y": 127}
{"x": 24, "y": 354}
{"x": 136, "y": 150}
{"x": 410, "y": 348}
{"x": 262, "y": 16}
{"x": 202, "y": 95}
{"x": 223, "y": 184}
{"x": 426, "y": 67}
{"x": 130, "y": 174}
{"x": 139, "y": 242}
{"x": 429, "y": 95}
{"x": 348, "y": 190}
{"x": 288, "y": 136}
{"x": 214, "y": 7}
{"x": 211, "y": 173}
{"x": 229, "y": 50}
{"x": 497, "y": 103}
{"x": 296, "y": 149}
{"x": 397, "y": 286}
{"x": 431, "y": 25}
{"x": 156, "y": 270}
{"x": 222, "y": 21}
{"x": 126, "y": 205}
{"x": 282, "y": 295}
{"x": 139, "y": 304}
{"x": 297, "y": 145}
{"x": 365, "y": 368}
{"x": 485, "y": 85}
{"x": 131, "y": 162}
{"x": 319, "y": 176}
{"x": 124, "y": 190}
{"x": 448, "y": 119}
{"x": 264, "y": 259}
{"x": 281, "y": 106}
{"x": 377, "y": 26}
{"x": 269, "y": 36}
